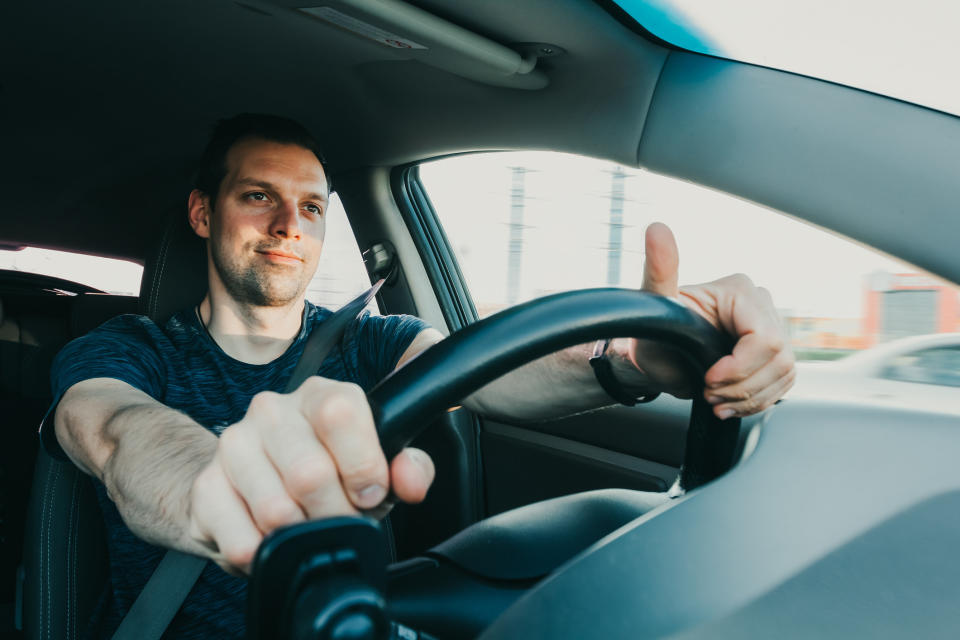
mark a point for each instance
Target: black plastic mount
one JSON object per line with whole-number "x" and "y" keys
{"x": 320, "y": 580}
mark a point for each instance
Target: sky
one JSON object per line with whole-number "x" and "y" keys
{"x": 904, "y": 49}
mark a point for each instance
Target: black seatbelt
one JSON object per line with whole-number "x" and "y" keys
{"x": 328, "y": 334}
{"x": 172, "y": 580}
{"x": 165, "y": 591}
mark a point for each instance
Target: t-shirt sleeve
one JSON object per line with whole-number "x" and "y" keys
{"x": 381, "y": 342}
{"x": 123, "y": 348}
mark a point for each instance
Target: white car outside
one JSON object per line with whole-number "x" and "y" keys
{"x": 920, "y": 372}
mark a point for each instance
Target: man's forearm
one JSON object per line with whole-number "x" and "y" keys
{"x": 557, "y": 385}
{"x": 158, "y": 454}
{"x": 147, "y": 456}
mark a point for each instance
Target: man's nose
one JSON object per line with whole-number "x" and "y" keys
{"x": 286, "y": 221}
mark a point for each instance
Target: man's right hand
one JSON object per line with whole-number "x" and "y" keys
{"x": 313, "y": 453}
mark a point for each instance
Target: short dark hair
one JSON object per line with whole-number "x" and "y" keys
{"x": 229, "y": 131}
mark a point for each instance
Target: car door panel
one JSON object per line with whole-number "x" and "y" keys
{"x": 624, "y": 447}
{"x": 641, "y": 448}
{"x": 522, "y": 466}
{"x": 654, "y": 431}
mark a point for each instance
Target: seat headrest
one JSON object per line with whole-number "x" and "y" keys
{"x": 89, "y": 310}
{"x": 175, "y": 274}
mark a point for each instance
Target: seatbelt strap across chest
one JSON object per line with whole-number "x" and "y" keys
{"x": 326, "y": 336}
{"x": 172, "y": 580}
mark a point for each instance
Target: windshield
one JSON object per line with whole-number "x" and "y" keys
{"x": 906, "y": 50}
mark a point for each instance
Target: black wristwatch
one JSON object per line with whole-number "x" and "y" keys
{"x": 604, "y": 373}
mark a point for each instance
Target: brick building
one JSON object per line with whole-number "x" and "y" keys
{"x": 897, "y": 305}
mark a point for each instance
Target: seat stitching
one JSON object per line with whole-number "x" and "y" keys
{"x": 76, "y": 555}
{"x": 45, "y": 504}
{"x": 49, "y": 551}
{"x": 157, "y": 272}
{"x": 44, "y": 543}
{"x": 72, "y": 558}
{"x": 154, "y": 303}
{"x": 67, "y": 575}
{"x": 50, "y": 564}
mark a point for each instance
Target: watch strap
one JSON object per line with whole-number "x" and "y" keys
{"x": 603, "y": 371}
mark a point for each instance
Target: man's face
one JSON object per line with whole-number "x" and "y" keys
{"x": 267, "y": 229}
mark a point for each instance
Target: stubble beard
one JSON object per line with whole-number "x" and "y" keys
{"x": 258, "y": 285}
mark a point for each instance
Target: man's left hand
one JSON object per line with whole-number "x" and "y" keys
{"x": 760, "y": 369}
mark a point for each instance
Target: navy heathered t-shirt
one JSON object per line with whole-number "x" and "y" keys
{"x": 182, "y": 367}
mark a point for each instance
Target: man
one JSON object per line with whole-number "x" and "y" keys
{"x": 141, "y": 406}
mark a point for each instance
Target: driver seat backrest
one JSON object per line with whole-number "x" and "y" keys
{"x": 65, "y": 557}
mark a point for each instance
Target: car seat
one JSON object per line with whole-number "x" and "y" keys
{"x": 65, "y": 559}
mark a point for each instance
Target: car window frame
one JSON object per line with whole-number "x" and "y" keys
{"x": 436, "y": 253}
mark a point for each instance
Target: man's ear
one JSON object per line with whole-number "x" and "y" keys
{"x": 198, "y": 211}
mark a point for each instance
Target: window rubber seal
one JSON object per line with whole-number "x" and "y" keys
{"x": 433, "y": 245}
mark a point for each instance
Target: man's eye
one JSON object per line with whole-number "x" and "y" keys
{"x": 260, "y": 196}
{"x": 314, "y": 209}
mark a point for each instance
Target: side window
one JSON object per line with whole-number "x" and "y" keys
{"x": 525, "y": 224}
{"x": 341, "y": 275}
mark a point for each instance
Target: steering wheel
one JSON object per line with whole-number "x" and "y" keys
{"x": 408, "y": 400}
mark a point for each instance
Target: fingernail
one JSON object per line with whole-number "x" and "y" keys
{"x": 421, "y": 459}
{"x": 714, "y": 399}
{"x": 370, "y": 496}
{"x": 723, "y": 414}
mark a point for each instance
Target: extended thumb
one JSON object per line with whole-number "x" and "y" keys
{"x": 662, "y": 263}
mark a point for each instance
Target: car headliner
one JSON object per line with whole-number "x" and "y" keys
{"x": 108, "y": 104}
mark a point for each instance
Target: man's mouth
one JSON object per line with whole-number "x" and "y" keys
{"x": 278, "y": 256}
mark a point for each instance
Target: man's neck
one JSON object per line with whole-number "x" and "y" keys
{"x": 255, "y": 335}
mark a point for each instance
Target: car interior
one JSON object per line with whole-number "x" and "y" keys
{"x": 812, "y": 519}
